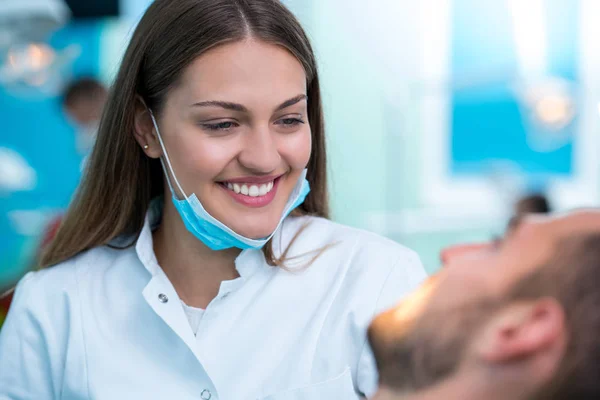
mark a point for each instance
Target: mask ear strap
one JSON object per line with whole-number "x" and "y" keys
{"x": 166, "y": 156}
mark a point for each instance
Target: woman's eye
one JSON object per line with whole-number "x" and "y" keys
{"x": 220, "y": 126}
{"x": 290, "y": 121}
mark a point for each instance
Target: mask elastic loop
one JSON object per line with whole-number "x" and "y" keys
{"x": 162, "y": 145}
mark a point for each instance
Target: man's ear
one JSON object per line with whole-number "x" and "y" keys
{"x": 524, "y": 330}
{"x": 144, "y": 130}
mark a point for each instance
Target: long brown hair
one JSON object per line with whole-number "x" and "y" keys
{"x": 121, "y": 180}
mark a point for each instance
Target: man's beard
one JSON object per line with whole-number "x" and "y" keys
{"x": 432, "y": 349}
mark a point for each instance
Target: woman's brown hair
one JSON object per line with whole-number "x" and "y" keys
{"x": 120, "y": 180}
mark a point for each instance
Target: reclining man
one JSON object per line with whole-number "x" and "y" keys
{"x": 517, "y": 320}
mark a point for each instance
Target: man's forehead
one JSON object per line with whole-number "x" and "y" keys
{"x": 534, "y": 243}
{"x": 560, "y": 226}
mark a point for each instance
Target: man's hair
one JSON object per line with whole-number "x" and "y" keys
{"x": 83, "y": 88}
{"x": 533, "y": 204}
{"x": 573, "y": 278}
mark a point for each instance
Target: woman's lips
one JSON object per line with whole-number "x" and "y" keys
{"x": 252, "y": 193}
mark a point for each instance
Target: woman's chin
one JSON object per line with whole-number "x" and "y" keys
{"x": 255, "y": 233}
{"x": 252, "y": 225}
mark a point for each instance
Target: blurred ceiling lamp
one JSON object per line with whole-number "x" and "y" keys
{"x": 26, "y": 21}
{"x": 555, "y": 110}
{"x": 550, "y": 107}
{"x": 25, "y": 61}
{"x": 548, "y": 102}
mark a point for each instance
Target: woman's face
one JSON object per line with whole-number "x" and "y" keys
{"x": 236, "y": 131}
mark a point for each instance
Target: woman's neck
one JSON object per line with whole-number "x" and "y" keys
{"x": 194, "y": 269}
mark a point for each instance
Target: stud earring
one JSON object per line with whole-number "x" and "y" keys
{"x": 146, "y": 146}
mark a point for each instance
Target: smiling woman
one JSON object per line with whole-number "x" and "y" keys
{"x": 198, "y": 244}
{"x": 235, "y": 128}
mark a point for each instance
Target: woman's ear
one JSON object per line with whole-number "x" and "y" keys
{"x": 144, "y": 130}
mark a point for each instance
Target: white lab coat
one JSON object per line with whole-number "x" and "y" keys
{"x": 108, "y": 324}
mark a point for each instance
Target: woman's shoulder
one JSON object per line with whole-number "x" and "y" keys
{"x": 364, "y": 260}
{"x": 362, "y": 274}
{"x": 63, "y": 278}
{"x": 320, "y": 232}
{"x": 45, "y": 294}
{"x": 52, "y": 296}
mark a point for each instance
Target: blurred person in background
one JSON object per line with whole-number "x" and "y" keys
{"x": 83, "y": 102}
{"x": 197, "y": 260}
{"x": 526, "y": 328}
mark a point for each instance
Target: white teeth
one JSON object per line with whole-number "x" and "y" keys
{"x": 251, "y": 190}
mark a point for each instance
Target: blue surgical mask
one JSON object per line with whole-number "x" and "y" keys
{"x": 206, "y": 228}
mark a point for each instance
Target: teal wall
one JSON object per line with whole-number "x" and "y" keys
{"x": 369, "y": 57}
{"x": 373, "y": 142}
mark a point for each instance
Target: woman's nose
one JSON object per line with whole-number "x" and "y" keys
{"x": 260, "y": 153}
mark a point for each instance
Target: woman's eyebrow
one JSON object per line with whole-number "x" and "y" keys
{"x": 241, "y": 108}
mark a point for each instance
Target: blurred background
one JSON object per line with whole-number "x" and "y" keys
{"x": 441, "y": 114}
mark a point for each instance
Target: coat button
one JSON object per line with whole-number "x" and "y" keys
{"x": 205, "y": 395}
{"x": 163, "y": 298}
